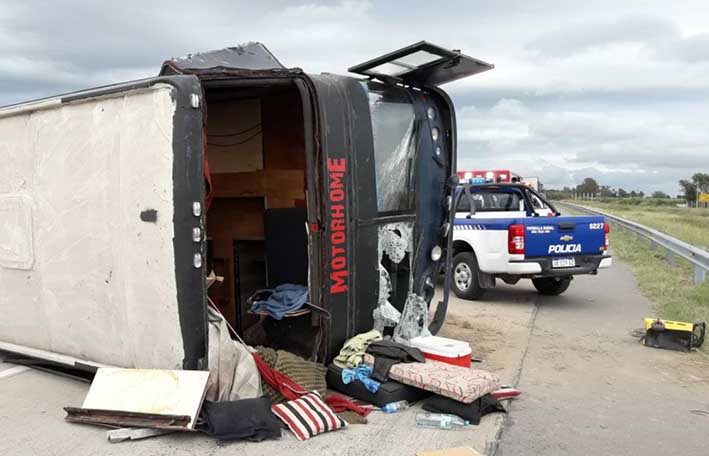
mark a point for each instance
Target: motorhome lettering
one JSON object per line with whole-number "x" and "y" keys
{"x": 565, "y": 248}
{"x": 338, "y": 236}
{"x": 228, "y": 164}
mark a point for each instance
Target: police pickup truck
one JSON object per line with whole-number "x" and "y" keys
{"x": 510, "y": 232}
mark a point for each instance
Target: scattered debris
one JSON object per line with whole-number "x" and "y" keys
{"x": 123, "y": 434}
{"x": 461, "y": 451}
{"x": 673, "y": 335}
{"x": 456, "y": 352}
{"x": 121, "y": 418}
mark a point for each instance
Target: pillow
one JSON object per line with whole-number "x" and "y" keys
{"x": 308, "y": 416}
{"x": 459, "y": 383}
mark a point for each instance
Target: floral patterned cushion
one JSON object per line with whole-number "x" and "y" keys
{"x": 459, "y": 383}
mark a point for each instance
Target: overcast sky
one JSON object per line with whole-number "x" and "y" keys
{"x": 617, "y": 90}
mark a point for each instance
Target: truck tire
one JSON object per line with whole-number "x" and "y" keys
{"x": 552, "y": 286}
{"x": 466, "y": 283}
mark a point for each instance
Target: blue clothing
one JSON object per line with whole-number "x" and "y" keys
{"x": 361, "y": 373}
{"x": 282, "y": 300}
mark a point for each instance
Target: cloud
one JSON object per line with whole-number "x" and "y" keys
{"x": 581, "y": 36}
{"x": 638, "y": 147}
{"x": 614, "y": 88}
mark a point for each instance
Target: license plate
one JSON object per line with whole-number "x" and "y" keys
{"x": 563, "y": 262}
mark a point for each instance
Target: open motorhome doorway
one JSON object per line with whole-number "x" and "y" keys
{"x": 256, "y": 222}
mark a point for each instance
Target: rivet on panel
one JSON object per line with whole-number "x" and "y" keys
{"x": 197, "y": 234}
{"x": 194, "y": 100}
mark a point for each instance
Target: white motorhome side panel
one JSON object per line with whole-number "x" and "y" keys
{"x": 87, "y": 263}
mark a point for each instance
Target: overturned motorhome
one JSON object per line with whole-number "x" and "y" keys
{"x": 117, "y": 202}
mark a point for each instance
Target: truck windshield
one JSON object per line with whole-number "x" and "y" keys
{"x": 492, "y": 201}
{"x": 395, "y": 141}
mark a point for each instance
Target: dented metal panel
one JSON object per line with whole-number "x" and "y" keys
{"x": 250, "y": 59}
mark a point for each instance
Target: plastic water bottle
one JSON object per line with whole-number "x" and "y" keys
{"x": 393, "y": 407}
{"x": 440, "y": 421}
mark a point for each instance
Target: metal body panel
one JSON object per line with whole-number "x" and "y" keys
{"x": 106, "y": 175}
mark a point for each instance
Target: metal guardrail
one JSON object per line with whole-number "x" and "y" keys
{"x": 697, "y": 256}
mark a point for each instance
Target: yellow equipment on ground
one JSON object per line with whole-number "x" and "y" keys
{"x": 673, "y": 335}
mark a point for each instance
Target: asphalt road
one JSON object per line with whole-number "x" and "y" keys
{"x": 592, "y": 389}
{"x": 589, "y": 389}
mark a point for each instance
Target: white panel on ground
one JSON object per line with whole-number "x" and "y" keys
{"x": 163, "y": 392}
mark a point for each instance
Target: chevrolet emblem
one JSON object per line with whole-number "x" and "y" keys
{"x": 567, "y": 238}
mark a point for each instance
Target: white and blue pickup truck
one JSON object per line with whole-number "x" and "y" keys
{"x": 510, "y": 232}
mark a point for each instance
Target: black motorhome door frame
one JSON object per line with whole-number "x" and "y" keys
{"x": 350, "y": 222}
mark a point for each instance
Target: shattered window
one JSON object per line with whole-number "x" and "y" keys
{"x": 394, "y": 130}
{"x": 395, "y": 248}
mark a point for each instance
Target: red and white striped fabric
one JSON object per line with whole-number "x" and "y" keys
{"x": 308, "y": 416}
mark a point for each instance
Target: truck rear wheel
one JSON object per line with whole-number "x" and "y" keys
{"x": 552, "y": 286}
{"x": 466, "y": 283}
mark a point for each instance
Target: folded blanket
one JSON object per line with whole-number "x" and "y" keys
{"x": 309, "y": 375}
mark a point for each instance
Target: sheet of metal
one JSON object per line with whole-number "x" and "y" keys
{"x": 249, "y": 56}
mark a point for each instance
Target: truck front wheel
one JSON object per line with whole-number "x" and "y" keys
{"x": 466, "y": 283}
{"x": 552, "y": 286}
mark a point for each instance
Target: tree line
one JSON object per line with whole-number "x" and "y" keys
{"x": 689, "y": 188}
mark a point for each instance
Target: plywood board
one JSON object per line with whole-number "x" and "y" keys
{"x": 234, "y": 136}
{"x": 169, "y": 392}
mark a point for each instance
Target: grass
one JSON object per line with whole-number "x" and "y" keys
{"x": 689, "y": 225}
{"x": 668, "y": 285}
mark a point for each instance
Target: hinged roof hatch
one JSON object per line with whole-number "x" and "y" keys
{"x": 422, "y": 64}
{"x": 249, "y": 58}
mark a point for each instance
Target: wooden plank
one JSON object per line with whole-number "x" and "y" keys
{"x": 281, "y": 183}
{"x": 234, "y": 138}
{"x": 116, "y": 418}
{"x": 283, "y": 131}
{"x": 155, "y": 391}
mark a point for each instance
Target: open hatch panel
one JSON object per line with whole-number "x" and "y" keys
{"x": 421, "y": 64}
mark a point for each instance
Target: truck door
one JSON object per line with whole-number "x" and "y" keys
{"x": 101, "y": 235}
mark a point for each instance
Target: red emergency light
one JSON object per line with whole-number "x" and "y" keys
{"x": 491, "y": 175}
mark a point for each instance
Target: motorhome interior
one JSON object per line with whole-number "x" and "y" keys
{"x": 256, "y": 218}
